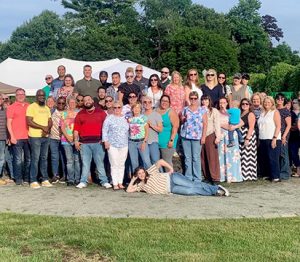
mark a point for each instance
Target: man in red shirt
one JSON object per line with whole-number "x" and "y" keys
{"x": 87, "y": 137}
{"x": 18, "y": 131}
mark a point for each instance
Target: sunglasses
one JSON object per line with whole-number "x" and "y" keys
{"x": 153, "y": 80}
{"x": 48, "y": 78}
{"x": 192, "y": 74}
{"x": 147, "y": 102}
{"x": 193, "y": 98}
{"x": 132, "y": 96}
{"x": 79, "y": 100}
{"x": 210, "y": 75}
{"x": 245, "y": 104}
{"x": 165, "y": 101}
{"x": 108, "y": 100}
{"x": 129, "y": 76}
{"x": 61, "y": 103}
{"x": 164, "y": 72}
{"x": 280, "y": 98}
{"x": 117, "y": 107}
{"x": 137, "y": 70}
{"x": 222, "y": 77}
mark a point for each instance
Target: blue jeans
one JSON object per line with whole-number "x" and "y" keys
{"x": 154, "y": 152}
{"x": 20, "y": 149}
{"x": 134, "y": 153}
{"x": 88, "y": 152}
{"x": 294, "y": 153}
{"x": 9, "y": 161}
{"x": 57, "y": 156}
{"x": 73, "y": 163}
{"x": 284, "y": 162}
{"x": 2, "y": 155}
{"x": 269, "y": 158}
{"x": 239, "y": 133}
{"x": 192, "y": 150}
{"x": 181, "y": 185}
{"x": 39, "y": 156}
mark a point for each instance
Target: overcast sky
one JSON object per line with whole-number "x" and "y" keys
{"x": 13, "y": 13}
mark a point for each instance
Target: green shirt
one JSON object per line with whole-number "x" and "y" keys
{"x": 46, "y": 89}
{"x": 88, "y": 87}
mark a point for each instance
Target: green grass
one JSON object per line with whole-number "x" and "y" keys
{"x": 46, "y": 238}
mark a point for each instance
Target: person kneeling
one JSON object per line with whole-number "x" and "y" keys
{"x": 153, "y": 182}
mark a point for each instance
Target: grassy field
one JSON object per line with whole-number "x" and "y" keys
{"x": 45, "y": 238}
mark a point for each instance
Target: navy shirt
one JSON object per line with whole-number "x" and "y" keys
{"x": 215, "y": 94}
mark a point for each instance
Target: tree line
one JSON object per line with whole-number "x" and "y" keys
{"x": 175, "y": 33}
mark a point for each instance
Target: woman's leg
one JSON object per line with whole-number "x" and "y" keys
{"x": 113, "y": 155}
{"x": 121, "y": 163}
{"x": 187, "y": 149}
{"x": 183, "y": 186}
{"x": 196, "y": 150}
{"x": 167, "y": 155}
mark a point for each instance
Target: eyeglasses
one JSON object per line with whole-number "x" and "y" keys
{"x": 147, "y": 102}
{"x": 117, "y": 107}
{"x": 131, "y": 76}
{"x": 192, "y": 74}
{"x": 163, "y": 72}
{"x": 153, "y": 80}
{"x": 131, "y": 96}
{"x": 210, "y": 75}
{"x": 193, "y": 98}
{"x": 48, "y": 78}
{"x": 245, "y": 104}
{"x": 108, "y": 100}
{"x": 138, "y": 70}
{"x": 222, "y": 77}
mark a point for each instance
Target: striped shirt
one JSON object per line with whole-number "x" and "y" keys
{"x": 157, "y": 183}
{"x": 3, "y": 129}
{"x": 55, "y": 131}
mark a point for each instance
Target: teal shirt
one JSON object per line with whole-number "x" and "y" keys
{"x": 165, "y": 135}
{"x": 46, "y": 89}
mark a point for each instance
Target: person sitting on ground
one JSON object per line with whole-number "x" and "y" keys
{"x": 153, "y": 182}
{"x": 234, "y": 119}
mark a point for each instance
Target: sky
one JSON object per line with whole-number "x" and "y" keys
{"x": 14, "y": 13}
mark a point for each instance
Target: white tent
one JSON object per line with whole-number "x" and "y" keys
{"x": 30, "y": 75}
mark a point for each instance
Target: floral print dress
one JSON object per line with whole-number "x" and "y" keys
{"x": 230, "y": 159}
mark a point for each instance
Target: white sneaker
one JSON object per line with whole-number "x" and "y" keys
{"x": 224, "y": 192}
{"x": 81, "y": 185}
{"x": 107, "y": 185}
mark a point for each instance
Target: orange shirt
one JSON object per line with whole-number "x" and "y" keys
{"x": 17, "y": 112}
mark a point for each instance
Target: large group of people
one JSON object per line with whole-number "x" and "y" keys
{"x": 126, "y": 135}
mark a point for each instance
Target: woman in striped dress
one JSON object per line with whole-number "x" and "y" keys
{"x": 248, "y": 150}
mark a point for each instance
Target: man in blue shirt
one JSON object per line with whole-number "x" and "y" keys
{"x": 58, "y": 82}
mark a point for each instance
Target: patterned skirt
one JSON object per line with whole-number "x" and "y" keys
{"x": 249, "y": 157}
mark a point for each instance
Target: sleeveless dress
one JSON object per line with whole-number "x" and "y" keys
{"x": 249, "y": 153}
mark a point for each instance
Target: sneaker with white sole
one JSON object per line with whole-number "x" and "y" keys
{"x": 81, "y": 185}
{"x": 107, "y": 185}
{"x": 35, "y": 185}
{"x": 222, "y": 191}
{"x": 46, "y": 183}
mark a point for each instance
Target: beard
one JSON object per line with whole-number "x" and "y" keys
{"x": 89, "y": 106}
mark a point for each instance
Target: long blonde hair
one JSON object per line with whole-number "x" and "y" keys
{"x": 188, "y": 82}
{"x": 172, "y": 77}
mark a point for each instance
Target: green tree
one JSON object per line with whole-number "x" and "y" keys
{"x": 276, "y": 78}
{"x": 41, "y": 38}
{"x": 292, "y": 80}
{"x": 195, "y": 47}
{"x": 257, "y": 82}
{"x": 284, "y": 53}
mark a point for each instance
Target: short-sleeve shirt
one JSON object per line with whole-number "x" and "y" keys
{"x": 177, "y": 96}
{"x": 143, "y": 83}
{"x": 40, "y": 115}
{"x": 284, "y": 113}
{"x": 55, "y": 85}
{"x": 234, "y": 115}
{"x": 56, "y": 117}
{"x": 155, "y": 119}
{"x": 157, "y": 183}
{"x": 137, "y": 127}
{"x": 17, "y": 112}
{"x": 193, "y": 125}
{"x": 67, "y": 124}
{"x": 86, "y": 87}
{"x": 215, "y": 94}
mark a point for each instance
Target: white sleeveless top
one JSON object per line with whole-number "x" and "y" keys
{"x": 155, "y": 97}
{"x": 198, "y": 90}
{"x": 266, "y": 126}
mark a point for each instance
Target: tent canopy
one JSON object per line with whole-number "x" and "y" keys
{"x": 7, "y": 89}
{"x": 30, "y": 75}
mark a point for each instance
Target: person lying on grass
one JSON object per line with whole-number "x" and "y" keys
{"x": 153, "y": 182}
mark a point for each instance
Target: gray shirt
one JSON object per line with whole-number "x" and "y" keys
{"x": 154, "y": 118}
{"x": 88, "y": 87}
{"x": 143, "y": 83}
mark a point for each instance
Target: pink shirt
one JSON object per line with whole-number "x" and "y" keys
{"x": 17, "y": 112}
{"x": 177, "y": 96}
